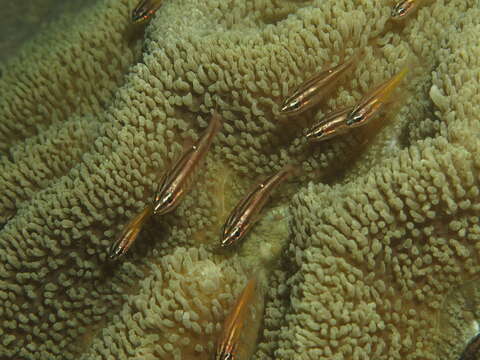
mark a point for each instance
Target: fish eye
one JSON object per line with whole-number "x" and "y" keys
{"x": 356, "y": 119}
{"x": 295, "y": 105}
{"x": 168, "y": 198}
{"x": 399, "y": 10}
{"x": 236, "y": 232}
{"x": 351, "y": 119}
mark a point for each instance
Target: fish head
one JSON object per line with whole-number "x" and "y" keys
{"x": 334, "y": 124}
{"x": 322, "y": 133}
{"x": 142, "y": 12}
{"x": 164, "y": 203}
{"x": 231, "y": 235}
{"x": 122, "y": 244}
{"x": 290, "y": 105}
{"x": 402, "y": 9}
{"x": 364, "y": 113}
{"x": 316, "y": 134}
{"x": 115, "y": 251}
{"x": 356, "y": 117}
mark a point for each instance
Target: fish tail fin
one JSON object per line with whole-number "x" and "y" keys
{"x": 216, "y": 123}
{"x": 350, "y": 59}
{"x": 290, "y": 170}
{"x": 402, "y": 73}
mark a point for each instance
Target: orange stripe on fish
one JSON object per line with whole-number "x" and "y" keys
{"x": 177, "y": 181}
{"x": 145, "y": 10}
{"x": 313, "y": 90}
{"x": 335, "y": 123}
{"x": 371, "y": 104}
{"x": 130, "y": 233}
{"x": 243, "y": 216}
{"x": 227, "y": 344}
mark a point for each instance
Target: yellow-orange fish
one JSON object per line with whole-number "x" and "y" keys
{"x": 332, "y": 125}
{"x": 244, "y": 215}
{"x": 145, "y": 10}
{"x": 227, "y": 344}
{"x": 130, "y": 233}
{"x": 178, "y": 180}
{"x": 371, "y": 104}
{"x": 313, "y": 90}
{"x": 403, "y": 9}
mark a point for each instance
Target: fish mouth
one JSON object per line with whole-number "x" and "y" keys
{"x": 314, "y": 136}
{"x": 285, "y": 108}
{"x": 225, "y": 242}
{"x": 114, "y": 252}
{"x": 161, "y": 208}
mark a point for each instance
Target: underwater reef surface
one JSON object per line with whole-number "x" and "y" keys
{"x": 22, "y": 19}
{"x": 371, "y": 252}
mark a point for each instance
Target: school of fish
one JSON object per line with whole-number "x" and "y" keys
{"x": 177, "y": 180}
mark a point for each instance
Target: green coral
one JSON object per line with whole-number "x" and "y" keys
{"x": 21, "y": 20}
{"x": 176, "y": 311}
{"x": 94, "y": 110}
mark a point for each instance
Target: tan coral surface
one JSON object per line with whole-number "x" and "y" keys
{"x": 360, "y": 252}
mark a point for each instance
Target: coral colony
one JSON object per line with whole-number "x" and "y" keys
{"x": 243, "y": 180}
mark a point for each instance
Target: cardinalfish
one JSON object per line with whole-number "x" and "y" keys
{"x": 403, "y": 9}
{"x": 472, "y": 351}
{"x": 371, "y": 104}
{"x": 311, "y": 92}
{"x": 227, "y": 344}
{"x": 145, "y": 10}
{"x": 244, "y": 215}
{"x": 130, "y": 233}
{"x": 333, "y": 125}
{"x": 178, "y": 180}
{"x": 174, "y": 185}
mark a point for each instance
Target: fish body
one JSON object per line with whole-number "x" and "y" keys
{"x": 145, "y": 10}
{"x": 403, "y": 9}
{"x": 472, "y": 351}
{"x": 334, "y": 124}
{"x": 311, "y": 91}
{"x": 129, "y": 234}
{"x": 177, "y": 181}
{"x": 243, "y": 216}
{"x": 227, "y": 344}
{"x": 371, "y": 104}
